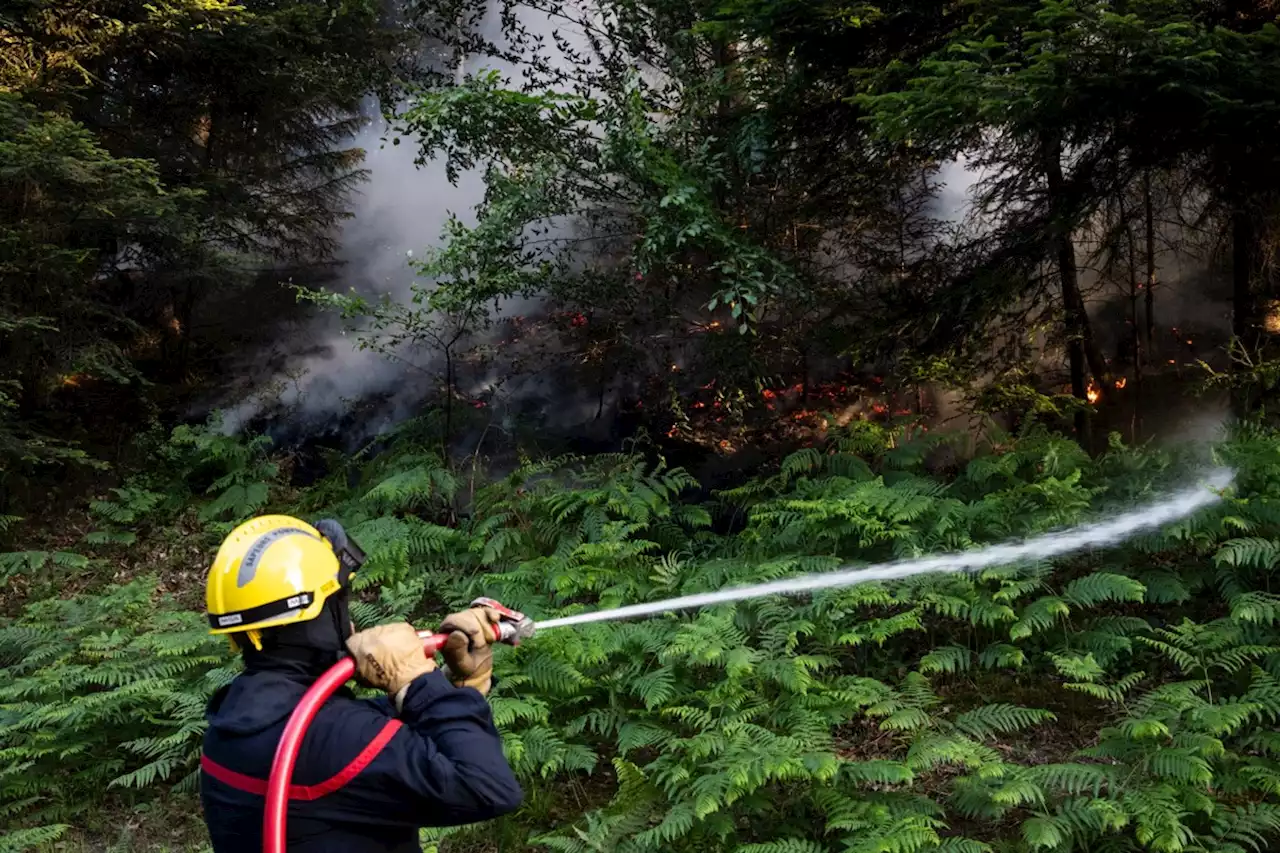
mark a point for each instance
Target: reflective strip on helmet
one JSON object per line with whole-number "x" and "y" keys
{"x": 263, "y": 612}
{"x": 249, "y": 565}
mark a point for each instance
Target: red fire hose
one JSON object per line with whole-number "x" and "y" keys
{"x": 514, "y": 628}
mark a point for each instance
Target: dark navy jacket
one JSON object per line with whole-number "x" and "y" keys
{"x": 365, "y": 781}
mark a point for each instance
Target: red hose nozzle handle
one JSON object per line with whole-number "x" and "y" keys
{"x": 508, "y": 634}
{"x": 513, "y": 628}
{"x": 432, "y": 643}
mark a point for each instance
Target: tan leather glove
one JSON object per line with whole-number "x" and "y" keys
{"x": 390, "y": 657}
{"x": 468, "y": 655}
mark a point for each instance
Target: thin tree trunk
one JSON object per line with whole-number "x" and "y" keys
{"x": 604, "y": 383}
{"x": 726, "y": 61}
{"x": 212, "y": 149}
{"x": 1149, "y": 207}
{"x": 1135, "y": 336}
{"x": 460, "y": 70}
{"x": 1243, "y": 308}
{"x": 30, "y": 390}
{"x": 186, "y": 314}
{"x": 447, "y": 437}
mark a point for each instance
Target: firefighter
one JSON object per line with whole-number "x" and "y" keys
{"x": 369, "y": 773}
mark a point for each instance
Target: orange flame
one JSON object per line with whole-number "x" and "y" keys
{"x": 1092, "y": 392}
{"x": 1121, "y": 382}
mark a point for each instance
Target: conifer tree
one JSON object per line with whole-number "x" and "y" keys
{"x": 187, "y": 143}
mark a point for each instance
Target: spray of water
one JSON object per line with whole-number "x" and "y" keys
{"x": 1095, "y": 535}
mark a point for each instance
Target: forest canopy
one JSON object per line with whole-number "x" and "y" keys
{"x": 738, "y": 289}
{"x": 757, "y": 194}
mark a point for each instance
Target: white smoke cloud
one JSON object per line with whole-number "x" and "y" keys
{"x": 399, "y": 212}
{"x": 955, "y": 199}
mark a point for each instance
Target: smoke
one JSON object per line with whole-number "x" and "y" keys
{"x": 954, "y": 202}
{"x": 316, "y": 373}
{"x": 399, "y": 211}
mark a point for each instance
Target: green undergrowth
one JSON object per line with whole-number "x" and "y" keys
{"x": 1121, "y": 699}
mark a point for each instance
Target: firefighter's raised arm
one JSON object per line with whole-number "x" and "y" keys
{"x": 445, "y": 766}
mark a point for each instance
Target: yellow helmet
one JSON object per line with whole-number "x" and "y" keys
{"x": 277, "y": 570}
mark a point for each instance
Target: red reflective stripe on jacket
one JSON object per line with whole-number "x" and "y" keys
{"x": 252, "y": 785}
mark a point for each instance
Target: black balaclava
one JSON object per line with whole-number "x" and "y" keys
{"x": 305, "y": 649}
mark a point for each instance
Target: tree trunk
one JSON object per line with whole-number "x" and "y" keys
{"x": 1244, "y": 323}
{"x": 726, "y": 61}
{"x": 460, "y": 70}
{"x": 212, "y": 148}
{"x": 1135, "y": 335}
{"x": 185, "y": 317}
{"x": 31, "y": 396}
{"x": 1080, "y": 343}
{"x": 1098, "y": 365}
{"x": 1149, "y": 207}
{"x": 604, "y": 385}
{"x": 446, "y": 437}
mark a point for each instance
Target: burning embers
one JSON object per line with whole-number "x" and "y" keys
{"x": 723, "y": 419}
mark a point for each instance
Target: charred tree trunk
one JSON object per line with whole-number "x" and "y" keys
{"x": 1081, "y": 347}
{"x": 1098, "y": 365}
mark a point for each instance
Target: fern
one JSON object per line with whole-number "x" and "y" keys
{"x": 32, "y": 562}
{"x": 22, "y": 840}
{"x": 985, "y": 722}
{"x": 1121, "y": 701}
{"x": 65, "y": 736}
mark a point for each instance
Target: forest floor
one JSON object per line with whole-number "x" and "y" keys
{"x": 170, "y": 824}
